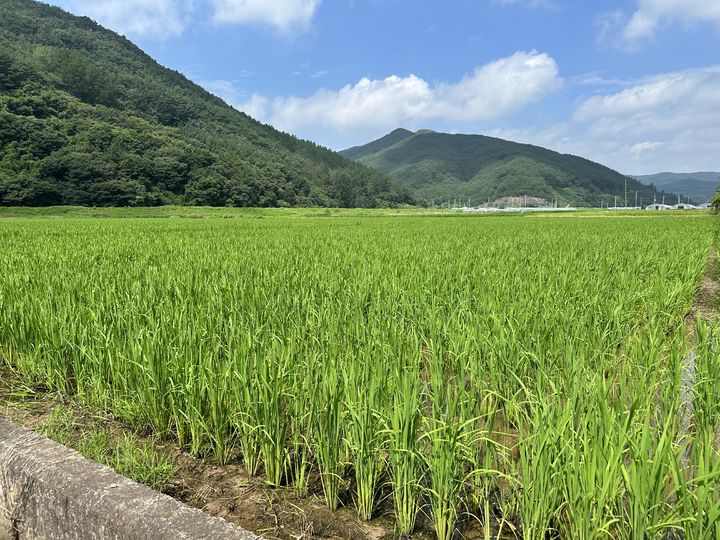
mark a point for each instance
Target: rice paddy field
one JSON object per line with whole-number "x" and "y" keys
{"x": 523, "y": 375}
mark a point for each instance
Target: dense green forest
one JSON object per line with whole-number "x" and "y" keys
{"x": 441, "y": 167}
{"x": 87, "y": 118}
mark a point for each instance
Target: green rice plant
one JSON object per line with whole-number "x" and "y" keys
{"x": 589, "y": 477}
{"x": 272, "y": 372}
{"x": 218, "y": 378}
{"x": 444, "y": 462}
{"x": 698, "y": 491}
{"x": 403, "y": 432}
{"x": 245, "y": 419}
{"x": 541, "y": 447}
{"x": 365, "y": 397}
{"x": 485, "y": 461}
{"x": 446, "y": 452}
{"x": 329, "y": 433}
{"x": 649, "y": 476}
{"x": 301, "y": 424}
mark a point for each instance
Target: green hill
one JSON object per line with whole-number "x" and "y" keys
{"x": 87, "y": 118}
{"x": 441, "y": 167}
{"x": 699, "y": 187}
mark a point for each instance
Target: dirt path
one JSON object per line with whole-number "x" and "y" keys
{"x": 705, "y": 306}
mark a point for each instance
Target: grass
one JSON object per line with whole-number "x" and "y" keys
{"x": 127, "y": 454}
{"x": 522, "y": 372}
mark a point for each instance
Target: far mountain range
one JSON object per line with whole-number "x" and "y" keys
{"x": 698, "y": 186}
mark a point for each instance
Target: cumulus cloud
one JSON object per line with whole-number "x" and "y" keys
{"x": 376, "y": 105}
{"x": 669, "y": 121}
{"x": 658, "y": 91}
{"x": 282, "y": 14}
{"x": 653, "y": 15}
{"x": 161, "y": 18}
{"x": 169, "y": 18}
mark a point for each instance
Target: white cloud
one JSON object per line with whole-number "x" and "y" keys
{"x": 160, "y": 18}
{"x": 653, "y": 15}
{"x": 257, "y": 106}
{"x": 372, "y": 106}
{"x": 645, "y": 96}
{"x": 282, "y": 14}
{"x": 646, "y": 146}
{"x": 669, "y": 121}
{"x": 168, "y": 18}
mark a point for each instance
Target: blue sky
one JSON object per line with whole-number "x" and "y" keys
{"x": 633, "y": 84}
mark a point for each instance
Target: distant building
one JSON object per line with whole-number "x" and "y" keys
{"x": 704, "y": 206}
{"x": 684, "y": 206}
{"x": 659, "y": 206}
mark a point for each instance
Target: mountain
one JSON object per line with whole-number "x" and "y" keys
{"x": 698, "y": 186}
{"x": 88, "y": 118}
{"x": 441, "y": 167}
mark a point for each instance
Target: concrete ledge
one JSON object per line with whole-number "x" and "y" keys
{"x": 48, "y": 491}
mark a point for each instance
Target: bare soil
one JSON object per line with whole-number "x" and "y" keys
{"x": 705, "y": 305}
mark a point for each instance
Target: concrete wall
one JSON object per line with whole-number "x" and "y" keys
{"x": 48, "y": 491}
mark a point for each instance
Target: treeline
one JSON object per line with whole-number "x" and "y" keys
{"x": 87, "y": 118}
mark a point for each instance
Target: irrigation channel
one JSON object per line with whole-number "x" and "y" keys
{"x": 705, "y": 309}
{"x": 490, "y": 376}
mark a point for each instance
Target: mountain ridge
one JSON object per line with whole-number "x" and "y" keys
{"x": 443, "y": 167}
{"x": 698, "y": 186}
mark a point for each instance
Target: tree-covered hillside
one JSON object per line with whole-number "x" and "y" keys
{"x": 87, "y": 118}
{"x": 441, "y": 167}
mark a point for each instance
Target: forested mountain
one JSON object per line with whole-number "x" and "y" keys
{"x": 699, "y": 186}
{"x": 87, "y": 118}
{"x": 441, "y": 167}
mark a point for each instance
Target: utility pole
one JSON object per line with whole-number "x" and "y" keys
{"x": 615, "y": 203}
{"x": 625, "y": 192}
